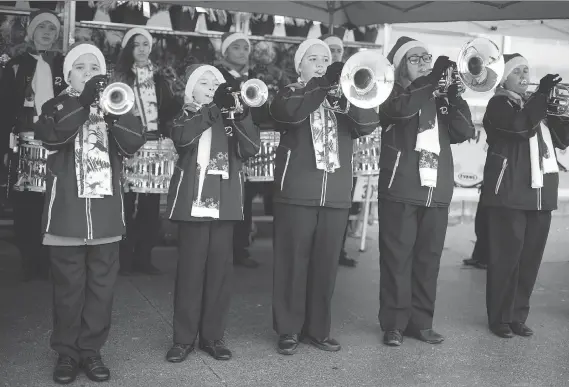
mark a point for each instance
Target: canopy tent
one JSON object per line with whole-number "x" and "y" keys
{"x": 361, "y": 13}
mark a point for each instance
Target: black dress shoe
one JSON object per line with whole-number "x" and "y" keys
{"x": 348, "y": 262}
{"x": 327, "y": 344}
{"x": 65, "y": 370}
{"x": 475, "y": 262}
{"x": 521, "y": 329}
{"x": 95, "y": 369}
{"x": 288, "y": 344}
{"x": 502, "y": 330}
{"x": 393, "y": 338}
{"x": 179, "y": 352}
{"x": 215, "y": 349}
{"x": 426, "y": 335}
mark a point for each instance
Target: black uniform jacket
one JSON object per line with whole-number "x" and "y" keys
{"x": 65, "y": 214}
{"x": 399, "y": 162}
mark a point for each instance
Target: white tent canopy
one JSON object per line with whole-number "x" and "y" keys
{"x": 361, "y": 13}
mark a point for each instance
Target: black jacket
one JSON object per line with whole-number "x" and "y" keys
{"x": 186, "y": 132}
{"x": 297, "y": 180}
{"x": 507, "y": 173}
{"x": 399, "y": 162}
{"x": 15, "y": 84}
{"x": 65, "y": 214}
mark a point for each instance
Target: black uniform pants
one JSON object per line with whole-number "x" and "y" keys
{"x": 83, "y": 285}
{"x": 142, "y": 229}
{"x": 517, "y": 240}
{"x": 203, "y": 280}
{"x": 306, "y": 245}
{"x": 243, "y": 228}
{"x": 28, "y": 209}
{"x": 411, "y": 241}
{"x": 480, "y": 252}
{"x": 354, "y": 210}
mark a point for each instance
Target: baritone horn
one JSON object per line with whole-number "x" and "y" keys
{"x": 366, "y": 81}
{"x": 479, "y": 67}
{"x": 557, "y": 100}
{"x": 117, "y": 98}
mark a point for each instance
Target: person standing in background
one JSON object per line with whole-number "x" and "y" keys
{"x": 28, "y": 81}
{"x": 156, "y": 106}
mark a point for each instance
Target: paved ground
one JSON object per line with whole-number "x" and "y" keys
{"x": 141, "y": 331}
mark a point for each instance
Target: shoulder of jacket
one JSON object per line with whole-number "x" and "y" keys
{"x": 295, "y": 86}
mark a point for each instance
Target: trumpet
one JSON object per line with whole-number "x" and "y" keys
{"x": 557, "y": 100}
{"x": 479, "y": 67}
{"x": 366, "y": 81}
{"x": 253, "y": 93}
{"x": 117, "y": 98}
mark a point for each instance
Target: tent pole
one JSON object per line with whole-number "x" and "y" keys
{"x": 331, "y": 16}
{"x": 506, "y": 44}
{"x": 68, "y": 25}
{"x": 386, "y": 38}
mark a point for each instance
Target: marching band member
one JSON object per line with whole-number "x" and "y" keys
{"x": 234, "y": 66}
{"x": 83, "y": 219}
{"x": 313, "y": 180}
{"x": 29, "y": 80}
{"x": 520, "y": 190}
{"x": 156, "y": 106}
{"x": 206, "y": 199}
{"x": 336, "y": 46}
{"x": 415, "y": 189}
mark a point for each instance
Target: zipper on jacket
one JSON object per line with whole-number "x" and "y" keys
{"x": 430, "y": 197}
{"x": 177, "y": 192}
{"x": 88, "y": 218}
{"x": 501, "y": 176}
{"x": 394, "y": 169}
{"x": 51, "y": 200}
{"x": 285, "y": 168}
{"x": 324, "y": 187}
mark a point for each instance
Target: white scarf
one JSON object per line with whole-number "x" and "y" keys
{"x": 429, "y": 148}
{"x": 42, "y": 83}
{"x": 549, "y": 160}
{"x": 92, "y": 162}
{"x": 145, "y": 95}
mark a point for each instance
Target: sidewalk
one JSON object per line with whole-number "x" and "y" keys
{"x": 141, "y": 331}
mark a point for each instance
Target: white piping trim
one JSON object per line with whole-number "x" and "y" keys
{"x": 51, "y": 200}
{"x": 177, "y": 192}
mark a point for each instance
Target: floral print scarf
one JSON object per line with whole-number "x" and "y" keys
{"x": 92, "y": 163}
{"x": 145, "y": 95}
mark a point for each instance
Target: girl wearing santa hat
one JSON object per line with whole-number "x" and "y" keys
{"x": 83, "y": 218}
{"x": 521, "y": 180}
{"x": 28, "y": 81}
{"x": 313, "y": 182}
{"x": 415, "y": 189}
{"x": 206, "y": 200}
{"x": 156, "y": 107}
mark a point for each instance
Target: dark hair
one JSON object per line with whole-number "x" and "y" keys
{"x": 123, "y": 69}
{"x": 402, "y": 72}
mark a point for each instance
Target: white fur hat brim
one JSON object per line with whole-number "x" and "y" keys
{"x": 303, "y": 47}
{"x": 136, "y": 31}
{"x": 196, "y": 75}
{"x": 76, "y": 52}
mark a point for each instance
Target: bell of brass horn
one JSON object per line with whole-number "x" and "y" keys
{"x": 557, "y": 100}
{"x": 479, "y": 67}
{"x": 117, "y": 98}
{"x": 254, "y": 92}
{"x": 366, "y": 81}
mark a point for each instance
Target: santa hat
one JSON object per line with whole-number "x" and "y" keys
{"x": 136, "y": 31}
{"x": 401, "y": 47}
{"x": 194, "y": 73}
{"x": 230, "y": 37}
{"x": 303, "y": 47}
{"x": 40, "y": 16}
{"x": 330, "y": 40}
{"x": 511, "y": 62}
{"x": 76, "y": 51}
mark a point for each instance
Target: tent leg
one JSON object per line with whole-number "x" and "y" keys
{"x": 386, "y": 38}
{"x": 331, "y": 6}
{"x": 68, "y": 25}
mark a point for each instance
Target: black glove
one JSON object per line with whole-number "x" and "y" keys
{"x": 441, "y": 64}
{"x": 110, "y": 119}
{"x": 547, "y": 83}
{"x": 223, "y": 98}
{"x": 152, "y": 135}
{"x": 91, "y": 91}
{"x": 333, "y": 72}
{"x": 453, "y": 95}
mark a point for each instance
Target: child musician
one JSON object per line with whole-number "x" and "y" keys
{"x": 83, "y": 218}
{"x": 28, "y": 81}
{"x": 313, "y": 182}
{"x": 521, "y": 182}
{"x": 415, "y": 189}
{"x": 156, "y": 106}
{"x": 206, "y": 199}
